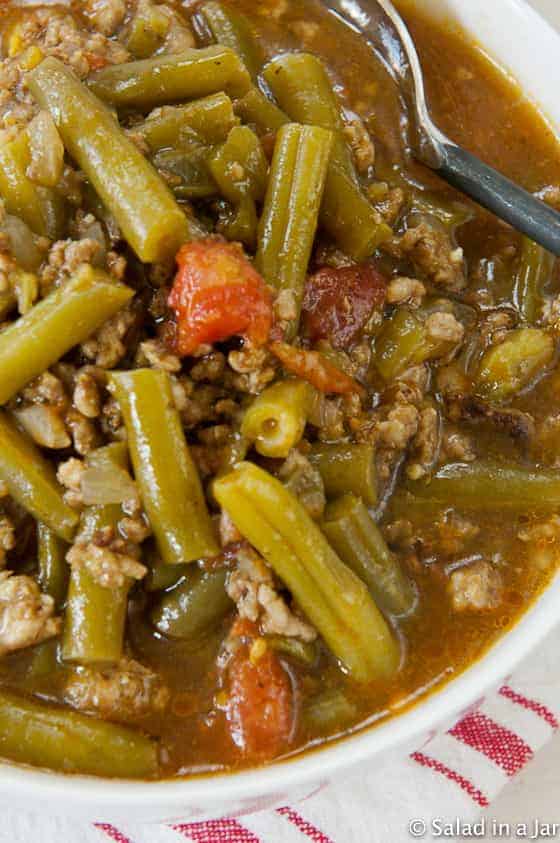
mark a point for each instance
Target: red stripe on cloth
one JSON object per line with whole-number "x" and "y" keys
{"x": 531, "y": 705}
{"x": 466, "y": 785}
{"x": 113, "y": 833}
{"x": 498, "y": 744}
{"x": 304, "y": 825}
{"x": 217, "y": 831}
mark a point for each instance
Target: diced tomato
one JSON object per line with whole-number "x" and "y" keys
{"x": 339, "y": 302}
{"x": 261, "y": 705}
{"x": 314, "y": 367}
{"x": 218, "y": 294}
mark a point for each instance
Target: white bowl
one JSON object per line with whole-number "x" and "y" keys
{"x": 521, "y": 41}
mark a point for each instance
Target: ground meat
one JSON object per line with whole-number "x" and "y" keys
{"x": 7, "y": 538}
{"x": 157, "y": 355}
{"x": 254, "y": 368}
{"x": 515, "y": 423}
{"x": 210, "y": 368}
{"x": 456, "y": 445}
{"x": 86, "y": 397}
{"x": 127, "y": 689}
{"x": 135, "y": 529}
{"x": 107, "y": 347}
{"x": 434, "y": 255}
{"x": 444, "y": 327}
{"x": 551, "y": 313}
{"x": 105, "y": 15}
{"x": 360, "y": 143}
{"x": 400, "y": 533}
{"x": 494, "y": 327}
{"x": 400, "y": 426}
{"x": 251, "y": 587}
{"x": 406, "y": 291}
{"x": 26, "y": 615}
{"x": 455, "y": 532}
{"x": 46, "y": 389}
{"x": 65, "y": 257}
{"x": 108, "y": 568}
{"x": 84, "y": 433}
{"x": 305, "y": 482}
{"x": 305, "y": 31}
{"x": 476, "y": 587}
{"x": 425, "y": 445}
{"x": 69, "y": 475}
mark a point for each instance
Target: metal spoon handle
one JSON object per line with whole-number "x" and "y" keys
{"x": 498, "y": 194}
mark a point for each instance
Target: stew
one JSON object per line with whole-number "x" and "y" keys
{"x": 279, "y": 439}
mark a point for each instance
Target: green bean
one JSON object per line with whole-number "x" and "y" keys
{"x": 534, "y": 270}
{"x": 165, "y": 472}
{"x": 334, "y": 599}
{"x": 165, "y": 79}
{"x": 290, "y": 216}
{"x": 510, "y": 366}
{"x": 160, "y": 576}
{"x": 276, "y": 419}
{"x": 99, "y": 519}
{"x": 450, "y": 213}
{"x": 233, "y": 30}
{"x": 94, "y": 620}
{"x": 211, "y": 118}
{"x": 41, "y": 660}
{"x": 302, "y": 88}
{"x": 239, "y": 223}
{"x": 329, "y": 710}
{"x": 66, "y": 317}
{"x": 48, "y": 736}
{"x": 303, "y": 652}
{"x": 31, "y": 481}
{"x": 492, "y": 486}
{"x": 239, "y": 166}
{"x": 41, "y": 208}
{"x": 191, "y": 167}
{"x": 257, "y": 109}
{"x": 346, "y": 467}
{"x": 53, "y": 570}
{"x": 355, "y": 536}
{"x": 8, "y": 302}
{"x": 150, "y": 219}
{"x": 194, "y": 607}
{"x": 147, "y": 31}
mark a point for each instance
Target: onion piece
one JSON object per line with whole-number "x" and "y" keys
{"x": 46, "y": 150}
{"x": 22, "y": 243}
{"x": 107, "y": 484}
{"x": 44, "y": 425}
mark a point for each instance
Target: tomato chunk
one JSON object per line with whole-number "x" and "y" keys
{"x": 314, "y": 368}
{"x": 218, "y": 294}
{"x": 261, "y": 707}
{"x": 339, "y": 302}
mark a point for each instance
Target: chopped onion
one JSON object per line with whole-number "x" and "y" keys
{"x": 46, "y": 149}
{"x": 106, "y": 484}
{"x": 44, "y": 425}
{"x": 22, "y": 243}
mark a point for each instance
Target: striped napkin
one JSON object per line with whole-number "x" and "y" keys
{"x": 453, "y": 778}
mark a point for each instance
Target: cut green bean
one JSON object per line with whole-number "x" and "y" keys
{"x": 165, "y": 79}
{"x": 97, "y": 520}
{"x": 66, "y": 317}
{"x": 232, "y": 29}
{"x": 534, "y": 271}
{"x": 334, "y": 599}
{"x": 404, "y": 341}
{"x": 303, "y": 652}
{"x": 41, "y": 208}
{"x": 239, "y": 223}
{"x": 347, "y": 468}
{"x": 276, "y": 419}
{"x": 211, "y": 118}
{"x": 262, "y": 113}
{"x": 147, "y": 30}
{"x": 485, "y": 485}
{"x": 31, "y": 481}
{"x": 53, "y": 569}
{"x": 355, "y": 536}
{"x": 149, "y": 217}
{"x": 160, "y": 576}
{"x": 94, "y": 620}
{"x": 290, "y": 216}
{"x": 48, "y": 736}
{"x": 329, "y": 710}
{"x": 194, "y": 607}
{"x": 165, "y": 472}
{"x": 302, "y": 88}
{"x": 239, "y": 166}
{"x": 190, "y": 167}
{"x": 508, "y": 367}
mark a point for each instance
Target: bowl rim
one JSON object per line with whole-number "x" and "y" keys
{"x": 317, "y": 764}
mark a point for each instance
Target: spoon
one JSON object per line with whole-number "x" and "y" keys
{"x": 382, "y": 26}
